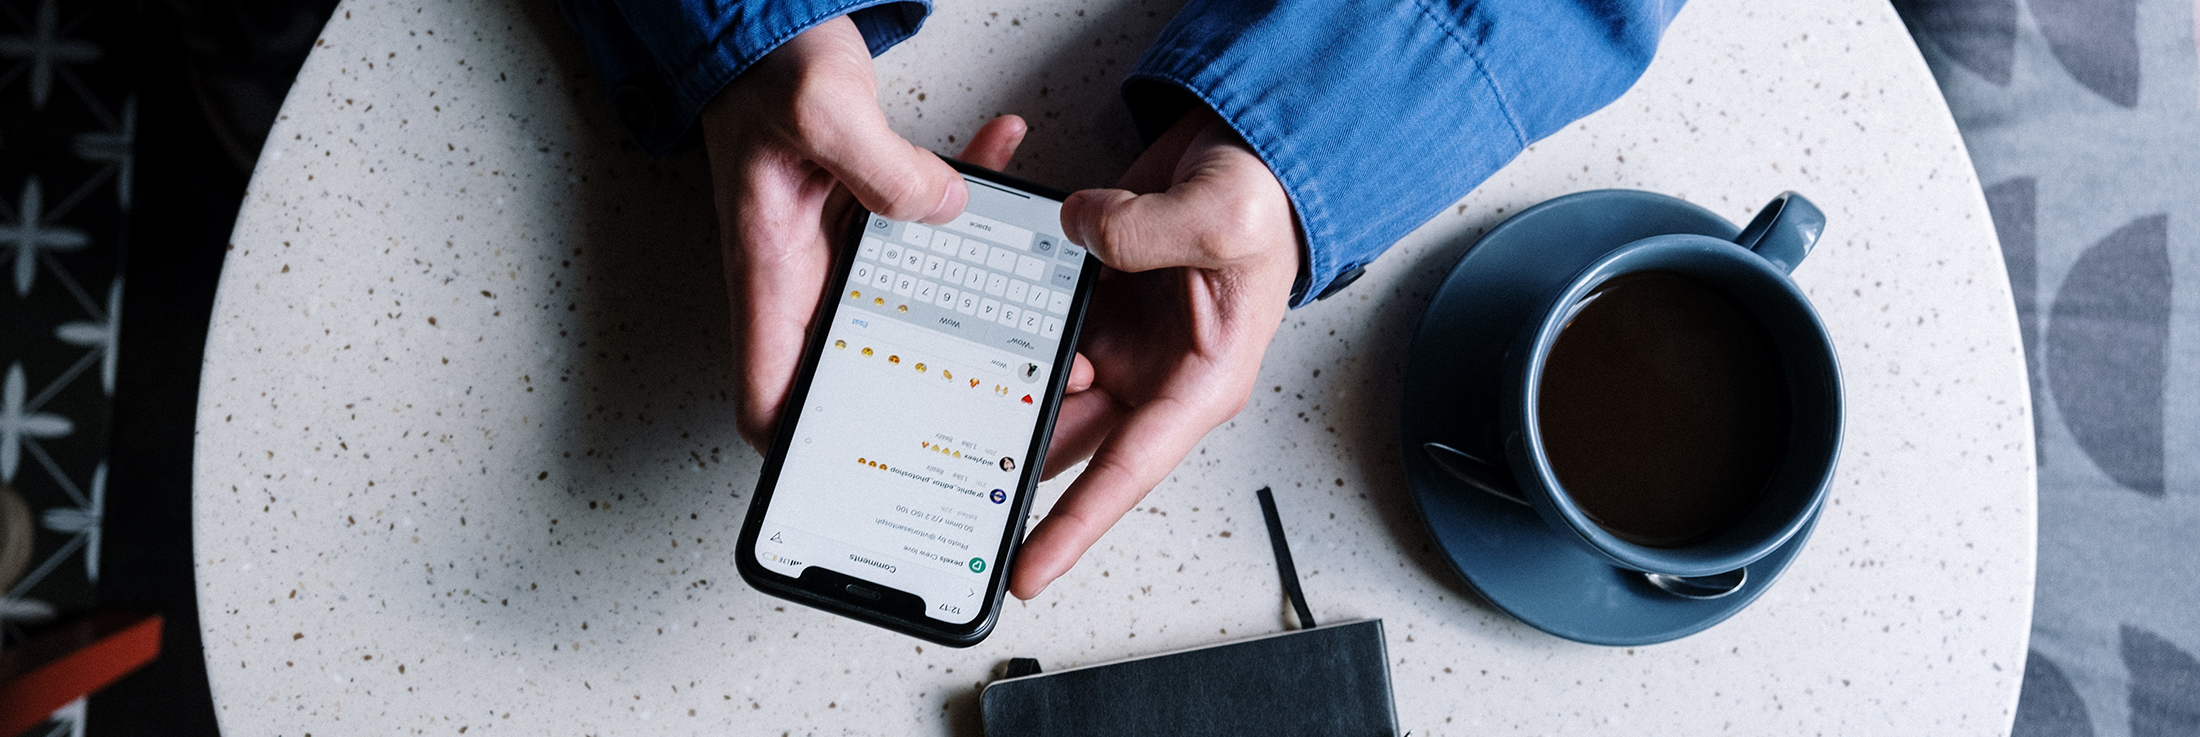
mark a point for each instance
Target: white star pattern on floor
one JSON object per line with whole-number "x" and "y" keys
{"x": 46, "y": 52}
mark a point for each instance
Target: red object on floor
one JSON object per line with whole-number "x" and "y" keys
{"x": 71, "y": 661}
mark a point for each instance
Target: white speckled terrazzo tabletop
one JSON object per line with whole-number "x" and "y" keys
{"x": 466, "y": 460}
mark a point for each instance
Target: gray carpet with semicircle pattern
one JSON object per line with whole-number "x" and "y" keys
{"x": 2083, "y": 121}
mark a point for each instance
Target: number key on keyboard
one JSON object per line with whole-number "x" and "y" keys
{"x": 1009, "y": 313}
{"x": 927, "y": 291}
{"x": 989, "y": 310}
{"x": 933, "y": 265}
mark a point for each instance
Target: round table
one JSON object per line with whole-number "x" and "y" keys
{"x": 467, "y": 462}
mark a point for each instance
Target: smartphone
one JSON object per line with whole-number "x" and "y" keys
{"x": 917, "y": 428}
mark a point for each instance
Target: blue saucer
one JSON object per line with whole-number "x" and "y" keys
{"x": 1503, "y": 549}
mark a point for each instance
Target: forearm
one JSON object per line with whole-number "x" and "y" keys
{"x": 662, "y": 61}
{"x": 1375, "y": 117}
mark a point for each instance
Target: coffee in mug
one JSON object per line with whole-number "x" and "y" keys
{"x": 1664, "y": 409}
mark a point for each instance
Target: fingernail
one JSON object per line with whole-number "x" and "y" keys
{"x": 1071, "y": 208}
{"x": 939, "y": 211}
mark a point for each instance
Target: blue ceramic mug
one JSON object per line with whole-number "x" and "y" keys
{"x": 1752, "y": 270}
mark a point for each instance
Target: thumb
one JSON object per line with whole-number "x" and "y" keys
{"x": 890, "y": 176}
{"x": 1131, "y": 232}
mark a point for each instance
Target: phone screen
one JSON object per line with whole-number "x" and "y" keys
{"x": 909, "y": 456}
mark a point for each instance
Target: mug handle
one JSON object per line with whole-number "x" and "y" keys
{"x": 1784, "y": 231}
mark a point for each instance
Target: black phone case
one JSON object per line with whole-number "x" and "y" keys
{"x": 862, "y": 600}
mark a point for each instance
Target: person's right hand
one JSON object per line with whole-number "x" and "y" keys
{"x": 1201, "y": 245}
{"x": 794, "y": 143}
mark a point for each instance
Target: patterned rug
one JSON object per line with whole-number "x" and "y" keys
{"x": 127, "y": 131}
{"x": 2083, "y": 120}
{"x": 68, "y": 119}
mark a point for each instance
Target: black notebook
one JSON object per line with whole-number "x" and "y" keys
{"x": 1332, "y": 680}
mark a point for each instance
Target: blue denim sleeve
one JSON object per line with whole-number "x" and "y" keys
{"x": 662, "y": 60}
{"x": 1375, "y": 116}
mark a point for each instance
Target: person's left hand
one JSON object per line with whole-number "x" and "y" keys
{"x": 795, "y": 144}
{"x": 1201, "y": 248}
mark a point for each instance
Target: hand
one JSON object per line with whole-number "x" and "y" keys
{"x": 1201, "y": 247}
{"x": 794, "y": 143}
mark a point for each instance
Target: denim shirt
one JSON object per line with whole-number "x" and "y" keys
{"x": 1375, "y": 116}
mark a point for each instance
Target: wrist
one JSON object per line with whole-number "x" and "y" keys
{"x": 1278, "y": 234}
